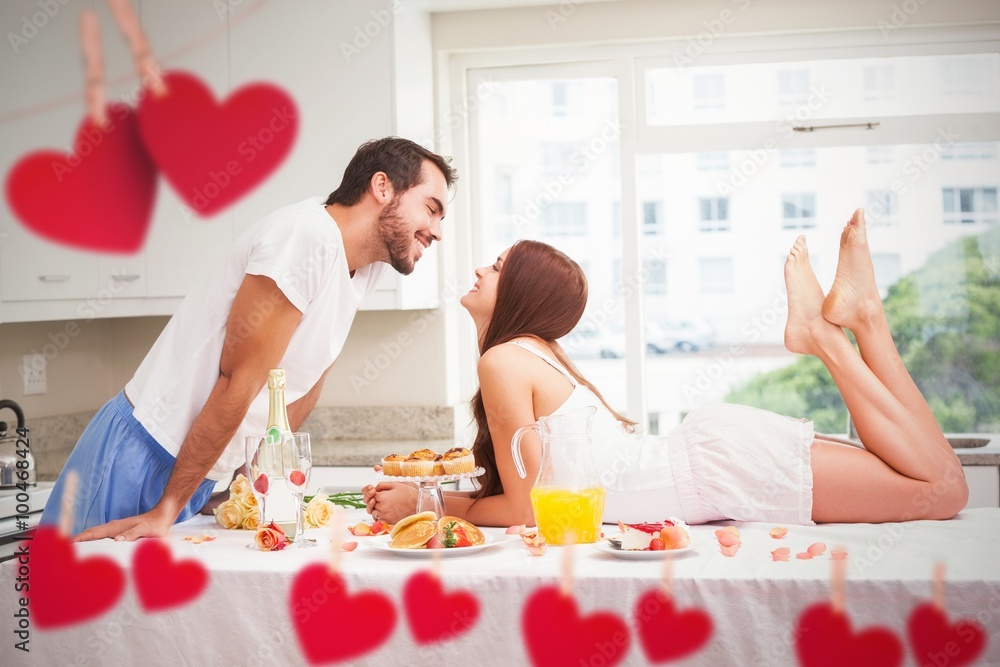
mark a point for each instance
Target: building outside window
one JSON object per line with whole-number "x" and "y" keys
{"x": 652, "y": 218}
{"x": 879, "y": 82}
{"x": 881, "y": 208}
{"x": 713, "y": 213}
{"x": 798, "y": 157}
{"x": 715, "y": 275}
{"x": 564, "y": 219}
{"x": 793, "y": 87}
{"x": 969, "y": 206}
{"x": 798, "y": 210}
{"x": 709, "y": 91}
{"x": 714, "y": 161}
{"x": 656, "y": 277}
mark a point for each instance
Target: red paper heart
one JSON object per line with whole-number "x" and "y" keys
{"x": 163, "y": 583}
{"x": 333, "y": 625}
{"x": 935, "y": 642}
{"x": 667, "y": 634}
{"x": 64, "y": 590}
{"x": 99, "y": 197}
{"x": 556, "y": 635}
{"x": 824, "y": 638}
{"x": 436, "y": 616}
{"x": 212, "y": 154}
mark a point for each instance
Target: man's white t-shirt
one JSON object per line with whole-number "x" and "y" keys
{"x": 301, "y": 249}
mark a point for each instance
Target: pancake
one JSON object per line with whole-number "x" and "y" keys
{"x": 413, "y": 518}
{"x": 473, "y": 533}
{"x": 414, "y": 536}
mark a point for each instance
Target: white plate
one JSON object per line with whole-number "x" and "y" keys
{"x": 381, "y": 543}
{"x": 607, "y": 548}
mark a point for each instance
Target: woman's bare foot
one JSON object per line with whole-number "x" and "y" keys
{"x": 853, "y": 300}
{"x": 805, "y": 326}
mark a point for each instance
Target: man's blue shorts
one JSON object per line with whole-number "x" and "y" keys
{"x": 122, "y": 471}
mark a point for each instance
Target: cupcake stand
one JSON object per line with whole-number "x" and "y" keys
{"x": 430, "y": 498}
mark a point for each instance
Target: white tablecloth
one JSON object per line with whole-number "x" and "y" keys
{"x": 242, "y": 618}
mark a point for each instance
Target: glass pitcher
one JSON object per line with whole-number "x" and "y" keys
{"x": 567, "y": 498}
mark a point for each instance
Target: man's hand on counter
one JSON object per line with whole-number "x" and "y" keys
{"x": 154, "y": 523}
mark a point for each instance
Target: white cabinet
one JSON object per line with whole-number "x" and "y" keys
{"x": 343, "y": 98}
{"x": 984, "y": 486}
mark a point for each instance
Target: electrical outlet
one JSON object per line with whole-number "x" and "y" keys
{"x": 33, "y": 372}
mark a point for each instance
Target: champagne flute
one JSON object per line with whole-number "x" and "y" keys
{"x": 263, "y": 468}
{"x": 296, "y": 465}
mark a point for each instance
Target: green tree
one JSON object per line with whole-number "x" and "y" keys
{"x": 945, "y": 321}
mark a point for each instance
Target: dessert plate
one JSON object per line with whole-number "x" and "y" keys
{"x": 613, "y": 546}
{"x": 381, "y": 543}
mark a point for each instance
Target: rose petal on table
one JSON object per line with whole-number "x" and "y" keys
{"x": 728, "y": 540}
{"x": 816, "y": 549}
{"x": 378, "y": 528}
{"x": 348, "y": 546}
{"x": 838, "y": 555}
{"x": 538, "y": 550}
{"x": 361, "y": 529}
{"x": 674, "y": 537}
{"x": 805, "y": 555}
{"x": 781, "y": 553}
{"x": 778, "y": 532}
{"x": 730, "y": 550}
{"x": 732, "y": 530}
{"x": 516, "y": 530}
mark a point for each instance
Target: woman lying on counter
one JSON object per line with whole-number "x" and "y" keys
{"x": 723, "y": 461}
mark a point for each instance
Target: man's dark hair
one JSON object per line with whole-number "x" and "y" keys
{"x": 400, "y": 159}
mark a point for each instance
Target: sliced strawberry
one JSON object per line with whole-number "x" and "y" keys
{"x": 297, "y": 477}
{"x": 435, "y": 542}
{"x": 656, "y": 544}
{"x": 261, "y": 484}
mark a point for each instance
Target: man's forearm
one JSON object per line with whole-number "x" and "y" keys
{"x": 211, "y": 432}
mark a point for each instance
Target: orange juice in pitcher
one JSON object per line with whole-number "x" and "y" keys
{"x": 567, "y": 516}
{"x": 567, "y": 498}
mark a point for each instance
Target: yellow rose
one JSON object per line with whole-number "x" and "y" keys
{"x": 248, "y": 500}
{"x": 230, "y": 514}
{"x": 319, "y": 512}
{"x": 252, "y": 519}
{"x": 240, "y": 486}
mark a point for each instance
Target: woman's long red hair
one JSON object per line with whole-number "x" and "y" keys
{"x": 541, "y": 293}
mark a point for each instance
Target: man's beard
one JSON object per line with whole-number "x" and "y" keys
{"x": 397, "y": 238}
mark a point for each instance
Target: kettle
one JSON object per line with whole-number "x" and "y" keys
{"x": 15, "y": 455}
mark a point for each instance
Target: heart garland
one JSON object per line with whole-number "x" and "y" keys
{"x": 556, "y": 635}
{"x": 213, "y": 154}
{"x": 331, "y": 624}
{"x": 66, "y": 590}
{"x": 163, "y": 583}
{"x": 435, "y": 616}
{"x": 97, "y": 197}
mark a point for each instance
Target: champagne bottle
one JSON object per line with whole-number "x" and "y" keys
{"x": 281, "y": 504}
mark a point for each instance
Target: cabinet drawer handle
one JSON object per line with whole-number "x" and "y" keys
{"x": 126, "y": 277}
{"x": 54, "y": 279}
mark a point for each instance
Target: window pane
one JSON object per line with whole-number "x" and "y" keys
{"x": 903, "y": 86}
{"x": 557, "y": 140}
{"x": 940, "y": 282}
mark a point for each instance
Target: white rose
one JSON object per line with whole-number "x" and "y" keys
{"x": 230, "y": 514}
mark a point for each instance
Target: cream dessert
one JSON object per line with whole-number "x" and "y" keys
{"x": 639, "y": 536}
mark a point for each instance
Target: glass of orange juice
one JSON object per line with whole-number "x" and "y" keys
{"x": 568, "y": 516}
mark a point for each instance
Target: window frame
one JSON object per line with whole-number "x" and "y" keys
{"x": 628, "y": 62}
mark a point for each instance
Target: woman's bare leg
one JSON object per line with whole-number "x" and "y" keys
{"x": 854, "y": 303}
{"x": 885, "y": 426}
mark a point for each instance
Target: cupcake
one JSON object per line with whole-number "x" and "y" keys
{"x": 391, "y": 465}
{"x": 424, "y": 455}
{"x": 458, "y": 460}
{"x": 438, "y": 465}
{"x": 417, "y": 467}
